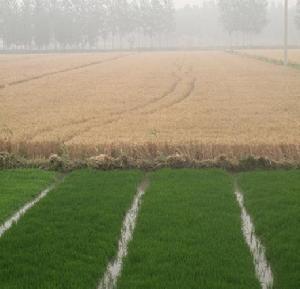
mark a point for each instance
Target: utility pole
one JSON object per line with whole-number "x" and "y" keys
{"x": 286, "y": 30}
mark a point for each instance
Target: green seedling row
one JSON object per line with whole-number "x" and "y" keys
{"x": 188, "y": 235}
{"x": 67, "y": 239}
{"x": 18, "y": 187}
{"x": 273, "y": 201}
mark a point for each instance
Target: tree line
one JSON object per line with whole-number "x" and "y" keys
{"x": 237, "y": 23}
{"x": 112, "y": 24}
{"x": 81, "y": 23}
{"x": 247, "y": 16}
{"x": 297, "y": 20}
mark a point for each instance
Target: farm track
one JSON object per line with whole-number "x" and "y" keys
{"x": 74, "y": 68}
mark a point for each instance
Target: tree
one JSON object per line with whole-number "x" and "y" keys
{"x": 41, "y": 19}
{"x": 168, "y": 16}
{"x": 94, "y": 19}
{"x": 298, "y": 15}
{"x": 80, "y": 23}
{"x": 9, "y": 18}
{"x": 245, "y": 16}
{"x": 26, "y": 25}
{"x": 122, "y": 17}
{"x": 63, "y": 24}
{"x": 2, "y": 23}
{"x": 256, "y": 16}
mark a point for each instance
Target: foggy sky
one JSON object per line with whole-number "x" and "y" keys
{"x": 182, "y": 3}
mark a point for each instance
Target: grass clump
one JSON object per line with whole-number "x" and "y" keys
{"x": 67, "y": 239}
{"x": 188, "y": 235}
{"x": 20, "y": 186}
{"x": 273, "y": 200}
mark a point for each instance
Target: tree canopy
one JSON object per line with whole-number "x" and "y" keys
{"x": 245, "y": 16}
{"x": 298, "y": 15}
{"x": 79, "y": 23}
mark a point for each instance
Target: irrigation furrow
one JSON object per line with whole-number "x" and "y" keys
{"x": 74, "y": 68}
{"x": 114, "y": 268}
{"x": 20, "y": 213}
{"x": 262, "y": 267}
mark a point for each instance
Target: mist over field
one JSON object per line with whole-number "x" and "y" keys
{"x": 149, "y": 144}
{"x": 127, "y": 24}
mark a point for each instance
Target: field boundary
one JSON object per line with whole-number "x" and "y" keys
{"x": 269, "y": 60}
{"x": 148, "y": 156}
{"x": 23, "y": 210}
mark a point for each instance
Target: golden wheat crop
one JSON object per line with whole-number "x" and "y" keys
{"x": 17, "y": 68}
{"x": 176, "y": 98}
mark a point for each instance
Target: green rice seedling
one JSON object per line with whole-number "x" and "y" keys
{"x": 67, "y": 240}
{"x": 188, "y": 235}
{"x": 20, "y": 186}
{"x": 273, "y": 201}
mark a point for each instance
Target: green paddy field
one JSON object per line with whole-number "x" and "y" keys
{"x": 188, "y": 231}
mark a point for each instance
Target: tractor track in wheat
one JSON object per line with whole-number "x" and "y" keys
{"x": 69, "y": 69}
{"x": 118, "y": 115}
{"x": 164, "y": 101}
{"x": 184, "y": 96}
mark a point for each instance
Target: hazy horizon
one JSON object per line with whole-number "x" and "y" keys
{"x": 182, "y": 3}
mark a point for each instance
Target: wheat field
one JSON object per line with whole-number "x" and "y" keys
{"x": 209, "y": 98}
